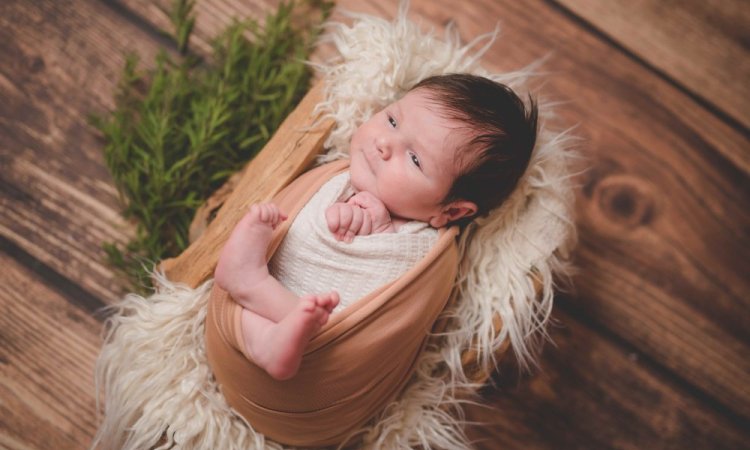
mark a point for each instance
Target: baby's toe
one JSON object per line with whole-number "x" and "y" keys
{"x": 328, "y": 301}
{"x": 309, "y": 302}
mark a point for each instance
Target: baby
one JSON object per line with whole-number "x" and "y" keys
{"x": 451, "y": 149}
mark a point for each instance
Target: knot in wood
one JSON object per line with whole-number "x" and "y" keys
{"x": 626, "y": 201}
{"x": 36, "y": 65}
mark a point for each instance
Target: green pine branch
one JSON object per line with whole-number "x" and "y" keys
{"x": 183, "y": 22}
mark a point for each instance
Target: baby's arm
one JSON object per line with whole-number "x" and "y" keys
{"x": 361, "y": 215}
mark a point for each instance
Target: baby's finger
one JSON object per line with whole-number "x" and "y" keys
{"x": 357, "y": 200}
{"x": 366, "y": 228}
{"x": 275, "y": 214}
{"x": 262, "y": 212}
{"x": 280, "y": 216}
{"x": 345, "y": 217}
{"x": 332, "y": 218}
{"x": 357, "y": 218}
{"x": 364, "y": 200}
{"x": 270, "y": 214}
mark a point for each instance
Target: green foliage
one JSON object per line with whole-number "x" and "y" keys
{"x": 182, "y": 22}
{"x": 179, "y": 131}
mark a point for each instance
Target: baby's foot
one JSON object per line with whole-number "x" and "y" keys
{"x": 242, "y": 262}
{"x": 290, "y": 336}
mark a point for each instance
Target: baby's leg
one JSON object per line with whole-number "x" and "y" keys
{"x": 242, "y": 269}
{"x": 278, "y": 347}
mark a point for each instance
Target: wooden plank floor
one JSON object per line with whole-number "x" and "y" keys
{"x": 652, "y": 350}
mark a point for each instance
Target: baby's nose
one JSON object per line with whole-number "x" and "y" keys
{"x": 385, "y": 148}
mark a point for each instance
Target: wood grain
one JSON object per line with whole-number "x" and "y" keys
{"x": 592, "y": 392}
{"x": 701, "y": 45}
{"x": 47, "y": 353}
{"x": 61, "y": 62}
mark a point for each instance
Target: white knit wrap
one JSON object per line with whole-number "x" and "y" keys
{"x": 311, "y": 261}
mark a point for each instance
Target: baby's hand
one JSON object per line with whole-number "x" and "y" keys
{"x": 361, "y": 215}
{"x": 379, "y": 216}
{"x": 346, "y": 221}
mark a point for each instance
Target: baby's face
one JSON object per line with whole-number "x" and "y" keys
{"x": 405, "y": 156}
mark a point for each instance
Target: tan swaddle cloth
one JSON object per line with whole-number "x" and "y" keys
{"x": 355, "y": 365}
{"x": 310, "y": 260}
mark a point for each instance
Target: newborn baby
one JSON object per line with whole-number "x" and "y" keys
{"x": 451, "y": 149}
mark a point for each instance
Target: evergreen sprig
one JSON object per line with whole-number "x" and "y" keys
{"x": 178, "y": 132}
{"x": 182, "y": 22}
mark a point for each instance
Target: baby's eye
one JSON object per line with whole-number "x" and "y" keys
{"x": 415, "y": 160}
{"x": 392, "y": 121}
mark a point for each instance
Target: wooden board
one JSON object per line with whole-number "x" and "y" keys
{"x": 47, "y": 352}
{"x": 654, "y": 353}
{"x": 702, "y": 46}
{"x": 61, "y": 62}
{"x": 591, "y": 391}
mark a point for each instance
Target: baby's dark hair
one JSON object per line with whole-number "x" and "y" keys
{"x": 503, "y": 133}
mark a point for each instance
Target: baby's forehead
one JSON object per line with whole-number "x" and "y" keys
{"x": 430, "y": 101}
{"x": 422, "y": 102}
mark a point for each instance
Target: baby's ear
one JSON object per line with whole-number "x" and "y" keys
{"x": 453, "y": 211}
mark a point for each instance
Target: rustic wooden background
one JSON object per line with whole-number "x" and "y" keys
{"x": 651, "y": 351}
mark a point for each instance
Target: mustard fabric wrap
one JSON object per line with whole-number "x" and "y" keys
{"x": 355, "y": 365}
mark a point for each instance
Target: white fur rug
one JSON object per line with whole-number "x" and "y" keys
{"x": 157, "y": 387}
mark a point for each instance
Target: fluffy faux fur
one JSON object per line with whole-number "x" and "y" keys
{"x": 152, "y": 368}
